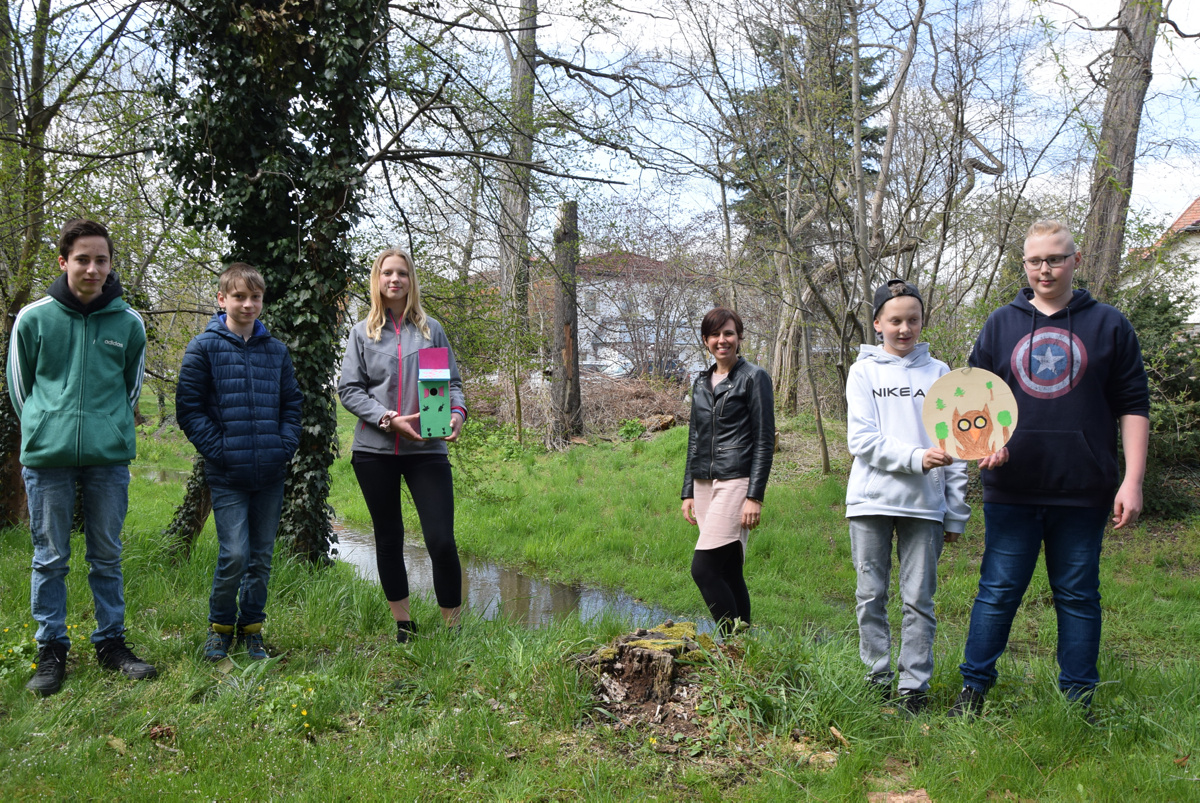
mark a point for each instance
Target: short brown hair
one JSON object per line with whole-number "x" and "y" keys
{"x": 241, "y": 273}
{"x": 78, "y": 227}
{"x": 717, "y": 317}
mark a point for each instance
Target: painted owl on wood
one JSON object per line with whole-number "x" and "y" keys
{"x": 973, "y": 432}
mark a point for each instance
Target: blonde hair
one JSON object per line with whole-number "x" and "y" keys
{"x": 413, "y": 312}
{"x": 1043, "y": 228}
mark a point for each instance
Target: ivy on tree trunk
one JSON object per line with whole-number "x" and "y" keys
{"x": 266, "y": 145}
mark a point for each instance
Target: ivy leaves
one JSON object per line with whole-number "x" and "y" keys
{"x": 265, "y": 145}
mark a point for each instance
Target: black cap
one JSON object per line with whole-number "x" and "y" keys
{"x": 894, "y": 288}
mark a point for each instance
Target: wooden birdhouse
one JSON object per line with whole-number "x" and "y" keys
{"x": 433, "y": 392}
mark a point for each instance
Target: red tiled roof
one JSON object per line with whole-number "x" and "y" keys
{"x": 1189, "y": 218}
{"x": 1189, "y": 221}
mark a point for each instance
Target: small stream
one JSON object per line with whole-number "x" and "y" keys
{"x": 493, "y": 592}
{"x": 489, "y": 590}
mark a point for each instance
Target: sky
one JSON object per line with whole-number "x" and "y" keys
{"x": 1167, "y": 175}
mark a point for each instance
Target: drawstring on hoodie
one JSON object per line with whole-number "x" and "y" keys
{"x": 1029, "y": 353}
{"x": 1070, "y": 350}
{"x": 1070, "y": 346}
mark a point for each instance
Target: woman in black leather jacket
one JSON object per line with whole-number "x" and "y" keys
{"x": 731, "y": 442}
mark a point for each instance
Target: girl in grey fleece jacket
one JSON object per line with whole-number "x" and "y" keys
{"x": 379, "y": 385}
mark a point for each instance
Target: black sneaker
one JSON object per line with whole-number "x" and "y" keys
{"x": 113, "y": 654}
{"x": 914, "y": 702}
{"x": 51, "y": 668}
{"x": 969, "y": 703}
{"x": 405, "y": 631}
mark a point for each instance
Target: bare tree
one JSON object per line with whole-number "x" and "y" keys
{"x": 54, "y": 63}
{"x": 565, "y": 401}
{"x": 1126, "y": 82}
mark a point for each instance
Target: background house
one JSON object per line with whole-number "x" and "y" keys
{"x": 1185, "y": 232}
{"x": 640, "y": 316}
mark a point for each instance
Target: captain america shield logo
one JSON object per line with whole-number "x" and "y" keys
{"x": 1049, "y": 363}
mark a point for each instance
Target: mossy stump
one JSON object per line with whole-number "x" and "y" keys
{"x": 640, "y": 666}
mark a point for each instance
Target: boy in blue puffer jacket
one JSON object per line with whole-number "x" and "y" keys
{"x": 238, "y": 402}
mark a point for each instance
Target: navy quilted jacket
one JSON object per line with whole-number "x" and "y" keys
{"x": 239, "y": 404}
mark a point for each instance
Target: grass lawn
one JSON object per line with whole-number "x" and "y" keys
{"x": 498, "y": 712}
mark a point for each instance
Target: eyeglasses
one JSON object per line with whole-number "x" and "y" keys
{"x": 1055, "y": 261}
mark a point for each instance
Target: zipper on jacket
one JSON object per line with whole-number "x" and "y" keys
{"x": 399, "y": 377}
{"x": 245, "y": 347}
{"x": 712, "y": 449}
{"x": 82, "y": 393}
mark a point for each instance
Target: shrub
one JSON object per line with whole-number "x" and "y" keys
{"x": 1172, "y": 358}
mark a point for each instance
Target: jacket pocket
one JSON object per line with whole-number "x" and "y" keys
{"x": 37, "y": 446}
{"x": 110, "y": 440}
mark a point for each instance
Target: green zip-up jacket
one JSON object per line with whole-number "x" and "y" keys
{"x": 74, "y": 375}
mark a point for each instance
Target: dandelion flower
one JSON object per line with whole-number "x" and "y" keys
{"x": 293, "y": 705}
{"x": 303, "y": 713}
{"x": 306, "y": 724}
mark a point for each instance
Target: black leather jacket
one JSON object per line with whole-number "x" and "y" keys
{"x": 732, "y": 430}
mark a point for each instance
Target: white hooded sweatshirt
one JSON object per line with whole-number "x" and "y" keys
{"x": 884, "y": 397}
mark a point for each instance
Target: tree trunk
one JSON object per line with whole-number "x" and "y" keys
{"x": 567, "y": 416}
{"x": 30, "y": 208}
{"x": 190, "y": 516}
{"x": 515, "y": 204}
{"x": 861, "y": 233}
{"x": 816, "y": 398}
{"x": 1112, "y": 173}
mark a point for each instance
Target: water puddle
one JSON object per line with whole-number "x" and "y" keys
{"x": 493, "y": 592}
{"x": 160, "y": 475}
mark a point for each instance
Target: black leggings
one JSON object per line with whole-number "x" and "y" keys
{"x": 718, "y": 574}
{"x": 432, "y": 487}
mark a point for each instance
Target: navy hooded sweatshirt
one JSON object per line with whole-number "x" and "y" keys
{"x": 1074, "y": 373}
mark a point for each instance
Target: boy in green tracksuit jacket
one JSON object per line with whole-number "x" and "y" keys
{"x": 75, "y": 366}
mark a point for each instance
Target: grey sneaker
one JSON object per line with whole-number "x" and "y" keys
{"x": 969, "y": 703}
{"x": 115, "y": 655}
{"x": 51, "y": 668}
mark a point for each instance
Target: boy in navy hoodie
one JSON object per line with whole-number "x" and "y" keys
{"x": 1076, "y": 370}
{"x": 239, "y": 404}
{"x": 900, "y": 483}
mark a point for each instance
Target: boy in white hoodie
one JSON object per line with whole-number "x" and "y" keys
{"x": 899, "y": 483}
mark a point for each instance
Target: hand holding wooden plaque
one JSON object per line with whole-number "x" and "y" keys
{"x": 970, "y": 413}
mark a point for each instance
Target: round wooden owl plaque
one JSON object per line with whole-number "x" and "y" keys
{"x": 970, "y": 413}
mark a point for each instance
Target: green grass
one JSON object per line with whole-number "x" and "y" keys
{"x": 499, "y": 713}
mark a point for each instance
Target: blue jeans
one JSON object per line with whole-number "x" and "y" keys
{"x": 51, "y": 494}
{"x": 246, "y": 525}
{"x": 918, "y": 547}
{"x": 1014, "y": 536}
